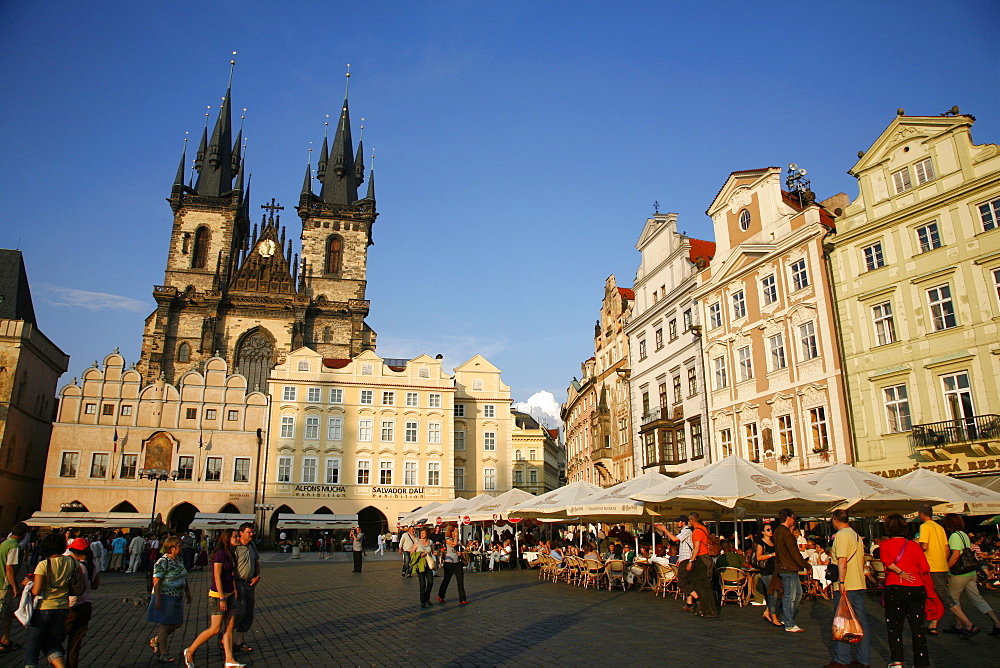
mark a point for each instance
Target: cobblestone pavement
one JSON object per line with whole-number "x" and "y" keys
{"x": 318, "y": 613}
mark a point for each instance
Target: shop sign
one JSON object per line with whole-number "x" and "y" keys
{"x": 324, "y": 491}
{"x": 397, "y": 492}
{"x": 946, "y": 468}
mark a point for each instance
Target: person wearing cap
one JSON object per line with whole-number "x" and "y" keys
{"x": 80, "y": 607}
{"x": 684, "y": 545}
{"x": 10, "y": 593}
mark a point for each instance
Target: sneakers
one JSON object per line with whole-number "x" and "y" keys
{"x": 756, "y": 603}
{"x": 795, "y": 629}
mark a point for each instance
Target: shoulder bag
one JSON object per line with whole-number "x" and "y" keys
{"x": 967, "y": 562}
{"x": 431, "y": 561}
{"x": 833, "y": 568}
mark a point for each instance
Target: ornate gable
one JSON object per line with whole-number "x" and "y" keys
{"x": 265, "y": 269}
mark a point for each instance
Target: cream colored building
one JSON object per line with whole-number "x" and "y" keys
{"x": 30, "y": 366}
{"x": 536, "y": 455}
{"x": 916, "y": 263}
{"x": 771, "y": 357}
{"x": 206, "y": 431}
{"x": 378, "y": 438}
{"x": 669, "y": 406}
{"x": 577, "y": 414}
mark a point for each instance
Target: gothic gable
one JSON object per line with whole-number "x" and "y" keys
{"x": 265, "y": 269}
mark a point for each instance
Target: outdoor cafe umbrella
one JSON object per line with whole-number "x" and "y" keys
{"x": 618, "y": 503}
{"x": 735, "y": 482}
{"x": 867, "y": 494}
{"x": 496, "y": 508}
{"x": 552, "y": 505}
{"x": 412, "y": 517}
{"x": 960, "y": 496}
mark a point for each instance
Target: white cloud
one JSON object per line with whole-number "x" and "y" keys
{"x": 543, "y": 407}
{"x": 92, "y": 301}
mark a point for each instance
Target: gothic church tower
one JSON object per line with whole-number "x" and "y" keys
{"x": 241, "y": 293}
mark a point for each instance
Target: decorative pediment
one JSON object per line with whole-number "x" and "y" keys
{"x": 265, "y": 268}
{"x": 903, "y": 129}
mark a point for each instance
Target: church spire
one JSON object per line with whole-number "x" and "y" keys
{"x": 179, "y": 179}
{"x": 340, "y": 185}
{"x": 217, "y": 172}
{"x": 359, "y": 158}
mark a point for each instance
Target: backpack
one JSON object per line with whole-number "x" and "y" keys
{"x": 714, "y": 545}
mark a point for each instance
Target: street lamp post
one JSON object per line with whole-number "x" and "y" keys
{"x": 156, "y": 475}
{"x": 263, "y": 509}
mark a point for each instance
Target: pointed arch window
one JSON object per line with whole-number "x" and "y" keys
{"x": 254, "y": 360}
{"x": 184, "y": 353}
{"x": 200, "y": 256}
{"x": 334, "y": 254}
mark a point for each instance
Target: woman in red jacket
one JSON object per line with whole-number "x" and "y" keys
{"x": 905, "y": 571}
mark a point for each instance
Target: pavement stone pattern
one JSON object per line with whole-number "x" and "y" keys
{"x": 318, "y": 613}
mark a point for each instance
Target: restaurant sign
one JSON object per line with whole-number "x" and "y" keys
{"x": 953, "y": 466}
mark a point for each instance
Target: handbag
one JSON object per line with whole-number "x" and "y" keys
{"x": 967, "y": 562}
{"x": 899, "y": 556}
{"x": 431, "y": 561}
{"x": 833, "y": 570}
{"x": 29, "y": 603}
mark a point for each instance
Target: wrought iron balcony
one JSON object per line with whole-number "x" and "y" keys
{"x": 967, "y": 431}
{"x": 669, "y": 413}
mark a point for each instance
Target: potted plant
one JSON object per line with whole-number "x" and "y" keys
{"x": 785, "y": 459}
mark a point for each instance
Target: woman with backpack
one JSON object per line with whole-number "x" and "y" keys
{"x": 965, "y": 583}
{"x": 80, "y": 607}
{"x": 51, "y": 584}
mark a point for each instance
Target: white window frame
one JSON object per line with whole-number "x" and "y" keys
{"x": 284, "y": 470}
{"x": 388, "y": 433}
{"x": 885, "y": 324}
{"x": 388, "y": 398}
{"x": 367, "y": 369}
{"x": 434, "y": 400}
{"x": 924, "y": 171}
{"x": 874, "y": 256}
{"x": 901, "y": 180}
{"x": 433, "y": 474}
{"x": 489, "y": 440}
{"x": 365, "y": 428}
{"x": 942, "y": 308}
{"x": 412, "y": 399}
{"x": 385, "y": 467}
{"x": 809, "y": 340}
{"x": 489, "y": 479}
{"x": 776, "y": 346}
{"x": 745, "y": 356}
{"x": 459, "y": 439}
{"x": 928, "y": 237}
{"x": 720, "y": 372}
{"x": 434, "y": 432}
{"x": 336, "y": 395}
{"x": 366, "y": 397}
{"x": 726, "y": 442}
{"x": 289, "y": 393}
{"x": 989, "y": 214}
{"x": 410, "y": 472}
{"x": 210, "y": 475}
{"x": 739, "y": 302}
{"x": 309, "y": 469}
{"x": 769, "y": 289}
{"x": 786, "y": 436}
{"x": 459, "y": 410}
{"x": 314, "y": 395}
{"x": 489, "y": 411}
{"x": 364, "y": 471}
{"x": 331, "y": 471}
{"x": 818, "y": 428}
{"x": 410, "y": 431}
{"x": 312, "y": 428}
{"x": 459, "y": 478}
{"x": 897, "y": 408}
{"x": 93, "y": 463}
{"x": 287, "y": 427}
{"x": 303, "y": 365}
{"x": 800, "y": 275}
{"x": 714, "y": 315}
{"x": 335, "y": 429}
{"x": 751, "y": 439}
{"x": 241, "y": 469}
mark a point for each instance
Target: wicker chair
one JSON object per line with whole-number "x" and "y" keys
{"x": 593, "y": 573}
{"x": 574, "y": 569}
{"x": 666, "y": 581}
{"x": 734, "y": 584}
{"x": 614, "y": 572}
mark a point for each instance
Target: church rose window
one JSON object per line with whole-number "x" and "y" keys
{"x": 254, "y": 359}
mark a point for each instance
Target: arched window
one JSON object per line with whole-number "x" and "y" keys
{"x": 334, "y": 255}
{"x": 200, "y": 255}
{"x": 184, "y": 353}
{"x": 517, "y": 455}
{"x": 254, "y": 360}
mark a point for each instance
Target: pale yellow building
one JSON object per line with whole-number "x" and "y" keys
{"x": 770, "y": 348}
{"x": 916, "y": 264}
{"x": 577, "y": 415}
{"x": 206, "y": 432}
{"x": 378, "y": 438}
{"x": 30, "y": 366}
{"x": 536, "y": 455}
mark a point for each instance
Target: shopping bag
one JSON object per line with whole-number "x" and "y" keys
{"x": 29, "y": 603}
{"x": 846, "y": 626}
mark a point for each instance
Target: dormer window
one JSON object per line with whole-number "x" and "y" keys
{"x": 901, "y": 180}
{"x": 924, "y": 171}
{"x": 744, "y": 220}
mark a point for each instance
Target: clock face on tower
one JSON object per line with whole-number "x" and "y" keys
{"x": 266, "y": 248}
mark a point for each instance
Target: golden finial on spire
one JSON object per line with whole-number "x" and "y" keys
{"x": 347, "y": 87}
{"x": 362, "y": 128}
{"x": 232, "y": 66}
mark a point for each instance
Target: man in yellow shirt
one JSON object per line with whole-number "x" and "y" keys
{"x": 935, "y": 543}
{"x": 849, "y": 554}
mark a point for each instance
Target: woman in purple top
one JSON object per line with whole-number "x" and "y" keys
{"x": 222, "y": 599}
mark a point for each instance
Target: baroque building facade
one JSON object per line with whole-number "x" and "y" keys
{"x": 775, "y": 391}
{"x": 236, "y": 292}
{"x": 30, "y": 366}
{"x": 378, "y": 438}
{"x": 577, "y": 416}
{"x": 668, "y": 400}
{"x": 537, "y": 465}
{"x": 916, "y": 264}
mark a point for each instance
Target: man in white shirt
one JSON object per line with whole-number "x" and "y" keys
{"x": 406, "y": 543}
{"x": 135, "y": 553}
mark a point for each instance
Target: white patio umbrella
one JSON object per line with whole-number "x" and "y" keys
{"x": 618, "y": 503}
{"x": 867, "y": 493}
{"x": 960, "y": 496}
{"x": 496, "y": 508}
{"x": 735, "y": 482}
{"x": 410, "y": 518}
{"x": 552, "y": 505}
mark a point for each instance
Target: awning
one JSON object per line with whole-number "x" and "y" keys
{"x": 219, "y": 520}
{"x": 89, "y": 520}
{"x": 289, "y": 521}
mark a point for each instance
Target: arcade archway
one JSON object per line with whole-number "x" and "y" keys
{"x": 181, "y": 516}
{"x": 372, "y": 522}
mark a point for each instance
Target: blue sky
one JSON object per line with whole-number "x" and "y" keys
{"x": 519, "y": 145}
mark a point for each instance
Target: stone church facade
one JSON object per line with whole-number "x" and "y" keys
{"x": 236, "y": 290}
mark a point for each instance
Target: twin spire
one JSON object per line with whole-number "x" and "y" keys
{"x": 341, "y": 169}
